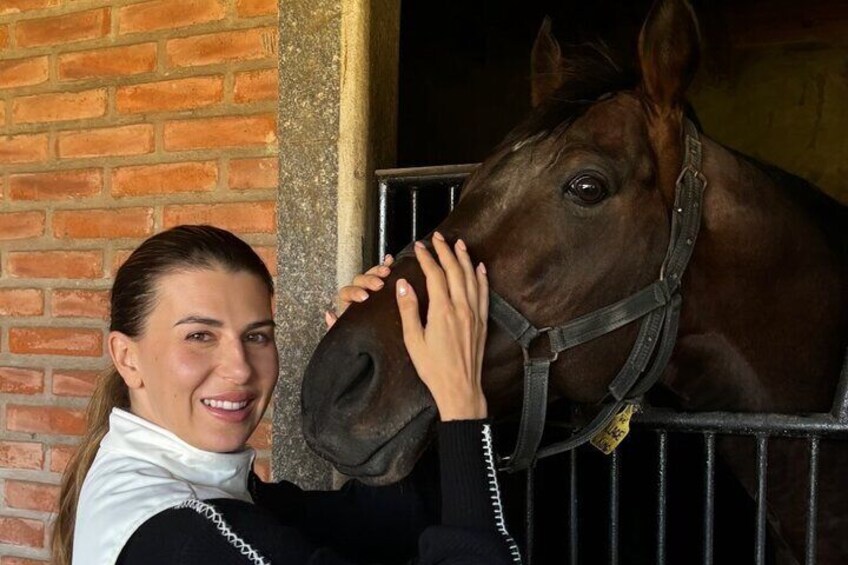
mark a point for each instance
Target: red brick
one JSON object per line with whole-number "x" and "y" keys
{"x": 167, "y": 14}
{"x": 4, "y": 37}
{"x": 246, "y": 174}
{"x": 122, "y": 140}
{"x": 261, "y": 436}
{"x": 120, "y": 256}
{"x": 23, "y": 72}
{"x": 241, "y": 217}
{"x": 23, "y": 148}
{"x": 242, "y": 45}
{"x": 56, "y": 264}
{"x": 111, "y": 62}
{"x": 21, "y": 455}
{"x": 58, "y": 185}
{"x": 262, "y": 467}
{"x": 59, "y": 30}
{"x": 60, "y": 455}
{"x": 255, "y": 86}
{"x": 21, "y": 381}
{"x": 269, "y": 257}
{"x": 21, "y": 301}
{"x": 20, "y": 531}
{"x": 21, "y": 225}
{"x": 230, "y": 131}
{"x": 180, "y": 94}
{"x": 253, "y": 8}
{"x": 75, "y": 342}
{"x": 45, "y": 419}
{"x": 74, "y": 383}
{"x": 56, "y": 107}
{"x": 80, "y": 303}
{"x": 31, "y": 496}
{"x": 166, "y": 178}
{"x": 103, "y": 224}
{"x": 18, "y": 6}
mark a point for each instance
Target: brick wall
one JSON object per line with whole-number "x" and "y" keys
{"x": 117, "y": 119}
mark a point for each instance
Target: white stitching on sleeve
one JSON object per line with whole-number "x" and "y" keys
{"x": 209, "y": 512}
{"x": 495, "y": 494}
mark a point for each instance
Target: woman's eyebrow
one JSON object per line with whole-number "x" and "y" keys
{"x": 260, "y": 324}
{"x": 200, "y": 320}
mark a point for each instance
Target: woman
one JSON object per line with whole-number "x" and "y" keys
{"x": 163, "y": 474}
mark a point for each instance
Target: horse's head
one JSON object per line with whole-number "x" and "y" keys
{"x": 570, "y": 214}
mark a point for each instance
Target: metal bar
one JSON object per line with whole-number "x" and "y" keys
{"x": 662, "y": 464}
{"x": 840, "y": 399}
{"x": 762, "y": 476}
{"x": 413, "y": 195}
{"x": 572, "y": 509}
{"x": 709, "y": 497}
{"x": 736, "y": 423}
{"x": 454, "y": 189}
{"x": 812, "y": 502}
{"x": 383, "y": 212}
{"x": 613, "y": 509}
{"x": 530, "y": 515}
{"x": 427, "y": 173}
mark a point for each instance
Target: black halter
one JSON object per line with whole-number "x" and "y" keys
{"x": 658, "y": 303}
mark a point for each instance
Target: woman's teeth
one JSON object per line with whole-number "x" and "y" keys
{"x": 225, "y": 404}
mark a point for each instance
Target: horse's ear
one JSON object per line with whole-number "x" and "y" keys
{"x": 669, "y": 49}
{"x": 545, "y": 65}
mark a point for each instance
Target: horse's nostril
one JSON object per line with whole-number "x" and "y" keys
{"x": 357, "y": 383}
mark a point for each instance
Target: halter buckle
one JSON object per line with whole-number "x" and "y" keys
{"x": 554, "y": 355}
{"x": 688, "y": 168}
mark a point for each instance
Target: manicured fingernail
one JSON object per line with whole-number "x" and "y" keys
{"x": 461, "y": 245}
{"x": 402, "y": 288}
{"x": 384, "y": 270}
{"x": 420, "y": 245}
{"x": 438, "y": 236}
{"x": 363, "y": 295}
{"x": 387, "y": 258}
{"x": 379, "y": 284}
{"x": 483, "y": 268}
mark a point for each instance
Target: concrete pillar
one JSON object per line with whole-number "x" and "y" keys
{"x": 337, "y": 120}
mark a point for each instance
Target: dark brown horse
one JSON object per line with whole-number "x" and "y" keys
{"x": 572, "y": 213}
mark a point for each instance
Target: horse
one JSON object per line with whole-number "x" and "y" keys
{"x": 573, "y": 212}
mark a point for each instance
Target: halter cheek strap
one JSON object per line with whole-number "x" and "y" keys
{"x": 659, "y": 304}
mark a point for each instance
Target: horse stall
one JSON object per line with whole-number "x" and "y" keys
{"x": 771, "y": 84}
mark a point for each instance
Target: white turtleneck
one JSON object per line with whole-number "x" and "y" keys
{"x": 140, "y": 470}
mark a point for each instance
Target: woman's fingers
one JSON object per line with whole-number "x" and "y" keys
{"x": 330, "y": 319}
{"x": 437, "y": 287}
{"x": 453, "y": 272}
{"x": 369, "y": 281}
{"x": 482, "y": 279}
{"x": 413, "y": 331}
{"x": 469, "y": 277}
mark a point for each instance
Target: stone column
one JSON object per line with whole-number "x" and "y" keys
{"x": 338, "y": 100}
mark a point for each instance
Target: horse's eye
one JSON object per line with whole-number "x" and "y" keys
{"x": 588, "y": 189}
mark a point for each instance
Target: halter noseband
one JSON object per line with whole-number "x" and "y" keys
{"x": 658, "y": 303}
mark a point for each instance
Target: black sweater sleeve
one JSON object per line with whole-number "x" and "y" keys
{"x": 358, "y": 524}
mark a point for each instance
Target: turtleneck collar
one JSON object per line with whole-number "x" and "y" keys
{"x": 140, "y": 470}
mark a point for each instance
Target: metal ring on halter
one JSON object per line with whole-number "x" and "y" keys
{"x": 526, "y": 350}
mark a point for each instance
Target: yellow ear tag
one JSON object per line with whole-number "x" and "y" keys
{"x": 614, "y": 433}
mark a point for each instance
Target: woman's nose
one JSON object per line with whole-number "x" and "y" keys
{"x": 234, "y": 364}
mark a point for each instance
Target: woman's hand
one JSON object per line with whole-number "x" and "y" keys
{"x": 448, "y": 352}
{"x": 357, "y": 291}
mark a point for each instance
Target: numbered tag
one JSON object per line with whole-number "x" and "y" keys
{"x": 614, "y": 433}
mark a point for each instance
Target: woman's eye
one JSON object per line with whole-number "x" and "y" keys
{"x": 259, "y": 338}
{"x": 199, "y": 336}
{"x": 587, "y": 189}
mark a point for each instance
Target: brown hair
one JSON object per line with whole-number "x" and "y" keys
{"x": 132, "y": 300}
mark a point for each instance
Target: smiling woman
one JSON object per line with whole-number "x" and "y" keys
{"x": 163, "y": 474}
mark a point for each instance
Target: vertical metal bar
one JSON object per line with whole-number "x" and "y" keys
{"x": 453, "y": 195}
{"x": 572, "y": 509}
{"x": 662, "y": 461}
{"x": 812, "y": 502}
{"x": 383, "y": 212}
{"x": 613, "y": 509}
{"x": 530, "y": 515}
{"x": 709, "y": 496}
{"x": 762, "y": 470}
{"x": 413, "y": 194}
{"x": 840, "y": 399}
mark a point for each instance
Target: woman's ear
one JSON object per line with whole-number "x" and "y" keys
{"x": 124, "y": 353}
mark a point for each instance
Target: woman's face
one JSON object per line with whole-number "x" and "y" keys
{"x": 207, "y": 361}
